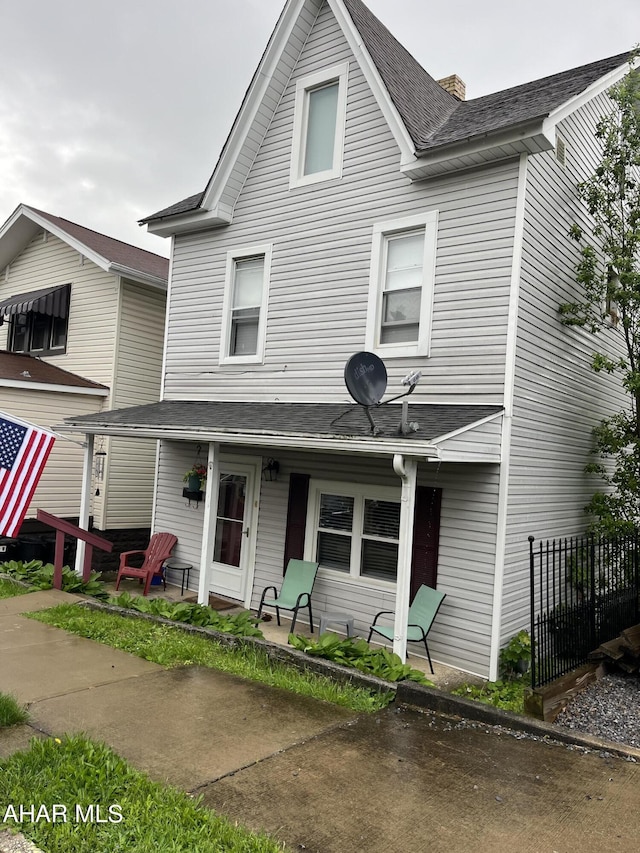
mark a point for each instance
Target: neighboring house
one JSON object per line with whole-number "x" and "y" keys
{"x": 82, "y": 326}
{"x": 358, "y": 205}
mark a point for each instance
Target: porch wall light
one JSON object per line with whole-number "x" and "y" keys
{"x": 271, "y": 470}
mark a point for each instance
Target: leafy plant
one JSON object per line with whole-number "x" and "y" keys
{"x": 9, "y": 588}
{"x": 11, "y": 712}
{"x": 515, "y": 657}
{"x": 507, "y": 695}
{"x": 358, "y": 654}
{"x": 40, "y": 576}
{"x": 239, "y": 624}
{"x": 608, "y": 303}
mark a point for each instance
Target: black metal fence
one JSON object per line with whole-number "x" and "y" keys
{"x": 584, "y": 592}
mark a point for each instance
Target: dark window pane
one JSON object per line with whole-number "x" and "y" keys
{"x": 231, "y": 496}
{"x": 336, "y": 512}
{"x": 20, "y": 333}
{"x": 382, "y": 518}
{"x": 228, "y": 542}
{"x": 40, "y": 331}
{"x": 379, "y": 560}
{"x": 58, "y": 333}
{"x": 334, "y": 551}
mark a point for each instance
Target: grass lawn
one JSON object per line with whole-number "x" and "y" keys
{"x": 137, "y": 815}
{"x": 9, "y": 588}
{"x": 171, "y": 646}
{"x": 11, "y": 712}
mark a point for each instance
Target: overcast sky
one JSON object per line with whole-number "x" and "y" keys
{"x": 113, "y": 109}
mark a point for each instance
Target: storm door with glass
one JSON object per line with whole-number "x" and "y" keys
{"x": 232, "y": 528}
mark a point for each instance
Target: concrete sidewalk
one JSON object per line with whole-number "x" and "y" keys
{"x": 318, "y": 777}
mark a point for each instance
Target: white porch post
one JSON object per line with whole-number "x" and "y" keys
{"x": 407, "y": 470}
{"x": 208, "y": 522}
{"x": 85, "y": 500}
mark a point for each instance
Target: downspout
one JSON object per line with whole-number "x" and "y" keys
{"x": 208, "y": 522}
{"x": 407, "y": 470}
{"x": 85, "y": 500}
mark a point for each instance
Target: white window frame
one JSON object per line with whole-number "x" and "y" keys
{"x": 234, "y": 255}
{"x": 381, "y": 231}
{"x": 336, "y": 74}
{"x": 359, "y": 493}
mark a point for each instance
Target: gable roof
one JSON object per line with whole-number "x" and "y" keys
{"x": 426, "y": 119}
{"x": 108, "y": 253}
{"x": 25, "y": 371}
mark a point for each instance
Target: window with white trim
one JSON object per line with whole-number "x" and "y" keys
{"x": 245, "y": 305}
{"x": 401, "y": 283}
{"x": 354, "y": 530}
{"x": 318, "y": 129}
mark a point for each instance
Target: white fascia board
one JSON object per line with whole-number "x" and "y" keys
{"x": 258, "y": 439}
{"x": 461, "y": 430}
{"x": 199, "y": 220}
{"x": 61, "y": 234}
{"x": 58, "y": 389}
{"x": 529, "y": 138}
{"x": 140, "y": 277}
{"x": 252, "y": 102}
{"x": 373, "y": 78}
{"x": 573, "y": 104}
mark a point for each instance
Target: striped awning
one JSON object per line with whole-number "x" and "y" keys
{"x": 53, "y": 301}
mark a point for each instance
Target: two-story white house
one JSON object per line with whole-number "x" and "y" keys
{"x": 358, "y": 205}
{"x": 81, "y": 330}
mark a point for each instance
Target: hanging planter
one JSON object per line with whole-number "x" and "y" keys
{"x": 195, "y": 479}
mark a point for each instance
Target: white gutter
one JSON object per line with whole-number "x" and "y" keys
{"x": 407, "y": 470}
{"x": 58, "y": 389}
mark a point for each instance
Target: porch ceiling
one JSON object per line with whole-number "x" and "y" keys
{"x": 294, "y": 425}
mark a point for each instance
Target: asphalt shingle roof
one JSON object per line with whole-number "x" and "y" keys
{"x": 433, "y": 117}
{"x": 26, "y": 368}
{"x": 301, "y": 419}
{"x": 115, "y": 251}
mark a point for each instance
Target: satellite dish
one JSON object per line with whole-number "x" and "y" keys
{"x": 366, "y": 378}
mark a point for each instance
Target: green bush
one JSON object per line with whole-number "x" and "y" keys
{"x": 515, "y": 657}
{"x": 507, "y": 695}
{"x": 239, "y": 624}
{"x": 358, "y": 654}
{"x": 40, "y": 576}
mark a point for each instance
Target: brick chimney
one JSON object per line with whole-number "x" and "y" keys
{"x": 454, "y": 86}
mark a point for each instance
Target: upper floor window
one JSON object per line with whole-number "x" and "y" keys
{"x": 39, "y": 321}
{"x": 318, "y": 134}
{"x": 401, "y": 285}
{"x": 245, "y": 305}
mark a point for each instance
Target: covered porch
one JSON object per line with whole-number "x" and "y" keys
{"x": 324, "y": 444}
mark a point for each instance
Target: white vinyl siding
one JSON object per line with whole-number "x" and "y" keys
{"x": 130, "y": 462}
{"x": 322, "y": 247}
{"x": 92, "y": 309}
{"x": 558, "y": 397}
{"x": 318, "y": 126}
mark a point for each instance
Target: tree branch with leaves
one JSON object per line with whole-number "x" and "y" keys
{"x": 608, "y": 272}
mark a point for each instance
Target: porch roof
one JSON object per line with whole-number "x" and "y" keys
{"x": 314, "y": 426}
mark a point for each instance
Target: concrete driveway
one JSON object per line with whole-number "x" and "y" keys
{"x": 317, "y": 777}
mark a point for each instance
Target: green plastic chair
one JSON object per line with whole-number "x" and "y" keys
{"x": 295, "y": 593}
{"x": 422, "y": 612}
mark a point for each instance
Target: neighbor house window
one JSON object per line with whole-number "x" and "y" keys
{"x": 40, "y": 331}
{"x": 401, "y": 285}
{"x": 354, "y": 530}
{"x": 245, "y": 305}
{"x": 319, "y": 119}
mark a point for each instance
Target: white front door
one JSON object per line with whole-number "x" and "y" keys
{"x": 233, "y": 529}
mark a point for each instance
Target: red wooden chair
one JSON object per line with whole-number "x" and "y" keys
{"x": 158, "y": 550}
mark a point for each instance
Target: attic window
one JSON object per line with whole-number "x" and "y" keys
{"x": 561, "y": 151}
{"x": 318, "y": 129}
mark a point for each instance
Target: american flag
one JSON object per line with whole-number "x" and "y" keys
{"x": 24, "y": 450}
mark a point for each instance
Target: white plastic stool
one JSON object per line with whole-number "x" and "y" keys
{"x": 336, "y": 619}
